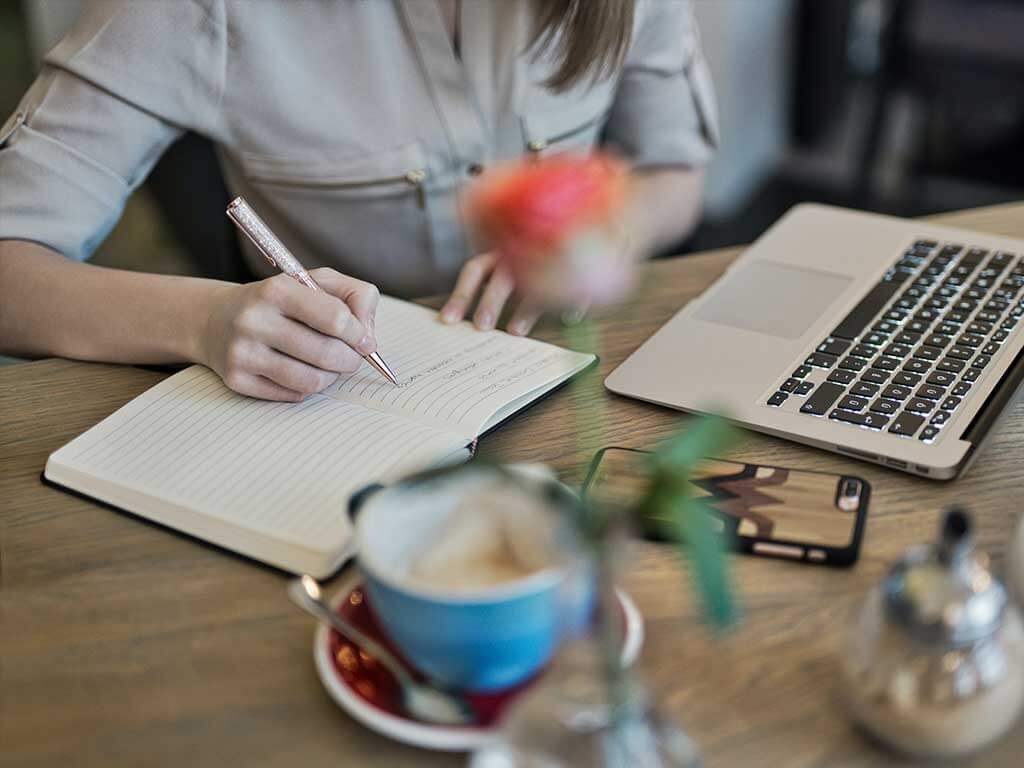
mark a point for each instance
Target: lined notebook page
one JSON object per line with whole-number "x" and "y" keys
{"x": 453, "y": 377}
{"x": 285, "y": 470}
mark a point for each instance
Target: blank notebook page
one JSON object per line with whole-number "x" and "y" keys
{"x": 192, "y": 442}
{"x": 453, "y": 376}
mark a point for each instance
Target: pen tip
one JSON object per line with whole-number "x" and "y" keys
{"x": 377, "y": 362}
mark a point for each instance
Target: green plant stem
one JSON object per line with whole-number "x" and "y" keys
{"x": 599, "y": 527}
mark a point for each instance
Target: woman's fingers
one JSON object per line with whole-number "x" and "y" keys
{"x": 290, "y": 373}
{"x": 523, "y": 319}
{"x": 471, "y": 279}
{"x": 320, "y": 310}
{"x": 495, "y": 295}
{"x": 361, "y": 297}
{"x": 263, "y": 388}
{"x": 301, "y": 342}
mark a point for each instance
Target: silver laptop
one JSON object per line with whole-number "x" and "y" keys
{"x": 893, "y": 341}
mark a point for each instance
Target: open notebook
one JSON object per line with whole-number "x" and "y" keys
{"x": 272, "y": 480}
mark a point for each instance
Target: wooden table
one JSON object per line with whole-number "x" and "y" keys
{"x": 124, "y": 643}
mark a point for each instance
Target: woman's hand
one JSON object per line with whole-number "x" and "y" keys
{"x": 483, "y": 277}
{"x": 278, "y": 340}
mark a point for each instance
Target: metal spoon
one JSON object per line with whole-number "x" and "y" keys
{"x": 424, "y": 702}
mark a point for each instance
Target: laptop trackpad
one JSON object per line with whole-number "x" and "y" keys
{"x": 773, "y": 299}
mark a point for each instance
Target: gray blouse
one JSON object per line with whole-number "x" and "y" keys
{"x": 350, "y": 125}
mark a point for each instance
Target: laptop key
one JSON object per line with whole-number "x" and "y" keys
{"x": 896, "y": 350}
{"x": 821, "y": 360}
{"x": 947, "y": 329}
{"x": 833, "y": 346}
{"x": 919, "y": 326}
{"x": 941, "y": 379}
{"x": 789, "y": 385}
{"x": 981, "y": 361}
{"x": 917, "y": 365}
{"x": 908, "y": 338}
{"x": 802, "y": 372}
{"x": 885, "y": 327}
{"x": 851, "y": 363}
{"x": 931, "y": 392}
{"x": 857, "y": 320}
{"x": 905, "y": 379}
{"x": 962, "y": 388}
{"x": 980, "y": 329}
{"x": 886, "y": 407}
{"x": 841, "y": 377}
{"x": 803, "y": 388}
{"x": 870, "y": 420}
{"x": 1000, "y": 336}
{"x": 777, "y": 399}
{"x": 886, "y": 364}
{"x": 990, "y": 349}
{"x": 951, "y": 365}
{"x": 863, "y": 389}
{"x": 956, "y": 316}
{"x": 950, "y": 403}
{"x": 864, "y": 350}
{"x": 851, "y": 403}
{"x": 988, "y": 317}
{"x": 928, "y": 434}
{"x": 874, "y": 376}
{"x": 875, "y": 339}
{"x": 928, "y": 353}
{"x": 938, "y": 340}
{"x": 939, "y": 418}
{"x": 970, "y": 340}
{"x": 896, "y": 392}
{"x": 920, "y": 405}
{"x": 906, "y": 424}
{"x": 822, "y": 399}
{"x": 960, "y": 353}
{"x": 972, "y": 374}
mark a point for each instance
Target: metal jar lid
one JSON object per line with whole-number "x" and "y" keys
{"x": 944, "y": 594}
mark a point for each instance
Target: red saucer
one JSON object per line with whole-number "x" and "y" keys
{"x": 368, "y": 692}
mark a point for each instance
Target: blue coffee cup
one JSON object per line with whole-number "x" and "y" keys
{"x": 477, "y": 639}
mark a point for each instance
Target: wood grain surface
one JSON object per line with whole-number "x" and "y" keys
{"x": 122, "y": 643}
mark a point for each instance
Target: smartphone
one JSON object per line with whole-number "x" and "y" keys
{"x": 793, "y": 514}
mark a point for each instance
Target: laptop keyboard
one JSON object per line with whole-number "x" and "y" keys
{"x": 905, "y": 359}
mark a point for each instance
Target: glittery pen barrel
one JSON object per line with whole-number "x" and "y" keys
{"x": 274, "y": 251}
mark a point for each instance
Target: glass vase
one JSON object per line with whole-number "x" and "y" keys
{"x": 588, "y": 709}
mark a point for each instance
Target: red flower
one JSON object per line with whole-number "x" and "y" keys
{"x": 538, "y": 214}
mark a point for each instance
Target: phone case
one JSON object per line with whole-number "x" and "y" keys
{"x": 811, "y": 517}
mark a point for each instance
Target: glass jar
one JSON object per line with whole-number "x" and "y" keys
{"x": 933, "y": 662}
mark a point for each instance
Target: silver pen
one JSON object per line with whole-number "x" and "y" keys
{"x": 274, "y": 251}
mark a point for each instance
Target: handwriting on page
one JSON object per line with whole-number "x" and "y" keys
{"x": 454, "y": 377}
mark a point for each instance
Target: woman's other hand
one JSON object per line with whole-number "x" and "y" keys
{"x": 484, "y": 280}
{"x": 278, "y": 340}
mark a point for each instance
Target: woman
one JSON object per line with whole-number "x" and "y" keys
{"x": 351, "y": 126}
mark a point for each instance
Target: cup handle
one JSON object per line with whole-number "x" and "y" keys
{"x": 360, "y": 497}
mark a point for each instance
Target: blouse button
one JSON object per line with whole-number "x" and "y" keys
{"x": 475, "y": 169}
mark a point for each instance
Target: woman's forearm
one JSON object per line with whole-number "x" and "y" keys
{"x": 51, "y": 306}
{"x": 665, "y": 207}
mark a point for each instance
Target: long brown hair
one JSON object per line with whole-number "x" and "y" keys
{"x": 592, "y": 36}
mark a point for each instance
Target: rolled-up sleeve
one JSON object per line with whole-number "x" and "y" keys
{"x": 110, "y": 99}
{"x": 664, "y": 111}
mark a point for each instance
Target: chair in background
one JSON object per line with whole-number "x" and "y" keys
{"x": 962, "y": 62}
